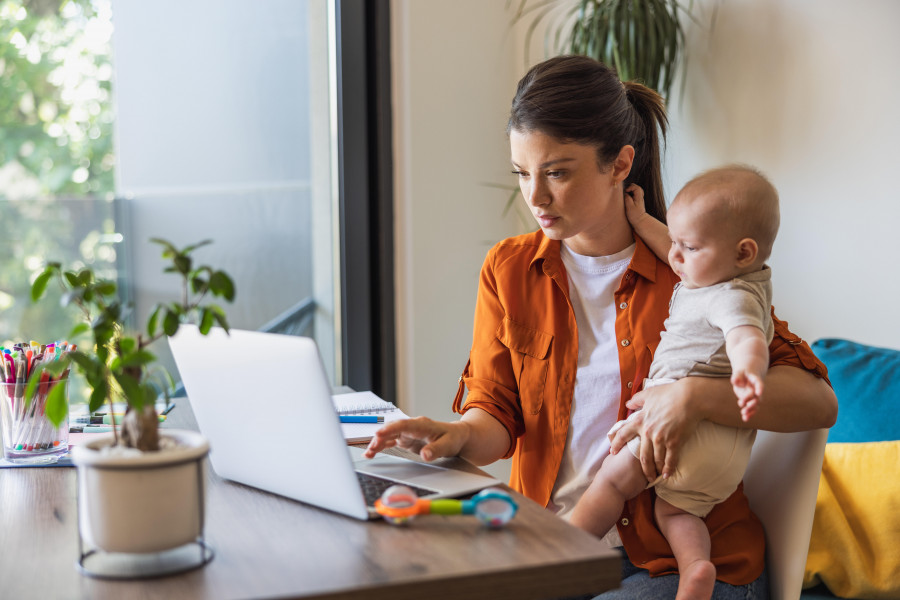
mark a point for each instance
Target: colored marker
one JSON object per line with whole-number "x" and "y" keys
{"x": 97, "y": 429}
{"x": 361, "y": 419}
{"x": 103, "y": 419}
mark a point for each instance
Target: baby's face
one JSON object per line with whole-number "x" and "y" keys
{"x": 703, "y": 251}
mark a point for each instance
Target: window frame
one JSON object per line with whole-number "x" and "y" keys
{"x": 365, "y": 180}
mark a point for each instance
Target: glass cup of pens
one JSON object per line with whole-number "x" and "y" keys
{"x": 28, "y": 435}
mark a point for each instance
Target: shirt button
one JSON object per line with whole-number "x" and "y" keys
{"x": 629, "y": 385}
{"x": 625, "y": 343}
{"x": 625, "y": 522}
{"x": 623, "y": 306}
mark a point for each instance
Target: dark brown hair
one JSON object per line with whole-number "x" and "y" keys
{"x": 576, "y": 99}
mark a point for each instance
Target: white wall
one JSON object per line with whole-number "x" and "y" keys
{"x": 806, "y": 90}
{"x": 453, "y": 77}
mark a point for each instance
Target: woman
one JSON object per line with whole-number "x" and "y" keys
{"x": 566, "y": 321}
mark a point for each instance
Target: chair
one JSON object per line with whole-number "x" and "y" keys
{"x": 781, "y": 483}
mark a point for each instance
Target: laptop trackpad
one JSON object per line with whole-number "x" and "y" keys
{"x": 390, "y": 467}
{"x": 447, "y": 482}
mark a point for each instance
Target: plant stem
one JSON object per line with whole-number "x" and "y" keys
{"x": 112, "y": 412}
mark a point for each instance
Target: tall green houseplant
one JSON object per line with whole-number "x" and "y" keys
{"x": 642, "y": 39}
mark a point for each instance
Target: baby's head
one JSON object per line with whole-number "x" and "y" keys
{"x": 722, "y": 224}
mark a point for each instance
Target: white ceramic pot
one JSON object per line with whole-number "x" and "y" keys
{"x": 148, "y": 502}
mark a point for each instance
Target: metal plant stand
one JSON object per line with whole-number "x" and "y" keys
{"x": 96, "y": 562}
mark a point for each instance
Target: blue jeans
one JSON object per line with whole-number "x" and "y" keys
{"x": 638, "y": 585}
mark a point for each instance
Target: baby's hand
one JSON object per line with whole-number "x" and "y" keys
{"x": 748, "y": 387}
{"x": 634, "y": 204}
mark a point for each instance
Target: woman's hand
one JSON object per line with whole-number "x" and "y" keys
{"x": 666, "y": 418}
{"x": 795, "y": 400}
{"x": 429, "y": 439}
{"x": 477, "y": 437}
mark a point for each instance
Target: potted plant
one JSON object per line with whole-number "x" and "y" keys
{"x": 141, "y": 489}
{"x": 642, "y": 39}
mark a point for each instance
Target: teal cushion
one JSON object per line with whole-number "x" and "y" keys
{"x": 866, "y": 381}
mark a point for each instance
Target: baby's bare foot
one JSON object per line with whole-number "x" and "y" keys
{"x": 697, "y": 581}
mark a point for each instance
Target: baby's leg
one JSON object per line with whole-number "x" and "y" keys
{"x": 620, "y": 478}
{"x": 689, "y": 539}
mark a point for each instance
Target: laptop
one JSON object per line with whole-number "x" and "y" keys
{"x": 264, "y": 402}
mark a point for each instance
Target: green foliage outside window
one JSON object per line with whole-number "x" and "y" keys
{"x": 56, "y": 154}
{"x": 55, "y": 108}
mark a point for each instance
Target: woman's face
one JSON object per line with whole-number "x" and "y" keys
{"x": 568, "y": 194}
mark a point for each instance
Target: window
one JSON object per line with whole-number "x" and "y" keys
{"x": 260, "y": 127}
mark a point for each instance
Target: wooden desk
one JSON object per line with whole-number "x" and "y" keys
{"x": 267, "y": 546}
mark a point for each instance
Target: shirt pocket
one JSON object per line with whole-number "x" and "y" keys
{"x": 529, "y": 351}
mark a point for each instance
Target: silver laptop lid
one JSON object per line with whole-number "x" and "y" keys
{"x": 264, "y": 402}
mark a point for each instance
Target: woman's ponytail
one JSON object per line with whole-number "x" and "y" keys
{"x": 653, "y": 122}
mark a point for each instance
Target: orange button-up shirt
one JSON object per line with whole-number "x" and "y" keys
{"x": 522, "y": 369}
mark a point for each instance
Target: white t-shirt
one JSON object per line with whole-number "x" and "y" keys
{"x": 593, "y": 281}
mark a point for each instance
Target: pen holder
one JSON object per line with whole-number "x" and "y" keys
{"x": 28, "y": 435}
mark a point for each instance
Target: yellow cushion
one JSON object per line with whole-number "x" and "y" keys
{"x": 855, "y": 544}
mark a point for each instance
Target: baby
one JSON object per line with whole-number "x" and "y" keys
{"x": 722, "y": 225}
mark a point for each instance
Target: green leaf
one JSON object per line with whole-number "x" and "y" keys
{"x": 98, "y": 395}
{"x": 103, "y": 334}
{"x": 220, "y": 316}
{"x": 182, "y": 263}
{"x": 168, "y": 249}
{"x": 113, "y": 311}
{"x": 222, "y": 285}
{"x": 31, "y": 386}
{"x": 134, "y": 393}
{"x": 72, "y": 278}
{"x": 171, "y": 322}
{"x": 102, "y": 351}
{"x": 79, "y": 329}
{"x": 40, "y": 284}
{"x": 207, "y": 320}
{"x": 127, "y": 345}
{"x": 160, "y": 379}
{"x": 88, "y": 364}
{"x": 192, "y": 247}
{"x": 57, "y": 404}
{"x": 139, "y": 358}
{"x": 149, "y": 391}
{"x": 151, "y": 322}
{"x": 105, "y": 288}
{"x": 199, "y": 285}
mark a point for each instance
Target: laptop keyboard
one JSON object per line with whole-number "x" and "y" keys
{"x": 373, "y": 487}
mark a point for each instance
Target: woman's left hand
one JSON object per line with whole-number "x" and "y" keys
{"x": 666, "y": 418}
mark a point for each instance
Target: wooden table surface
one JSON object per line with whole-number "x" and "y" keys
{"x": 267, "y": 546}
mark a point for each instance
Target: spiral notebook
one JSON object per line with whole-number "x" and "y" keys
{"x": 364, "y": 403}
